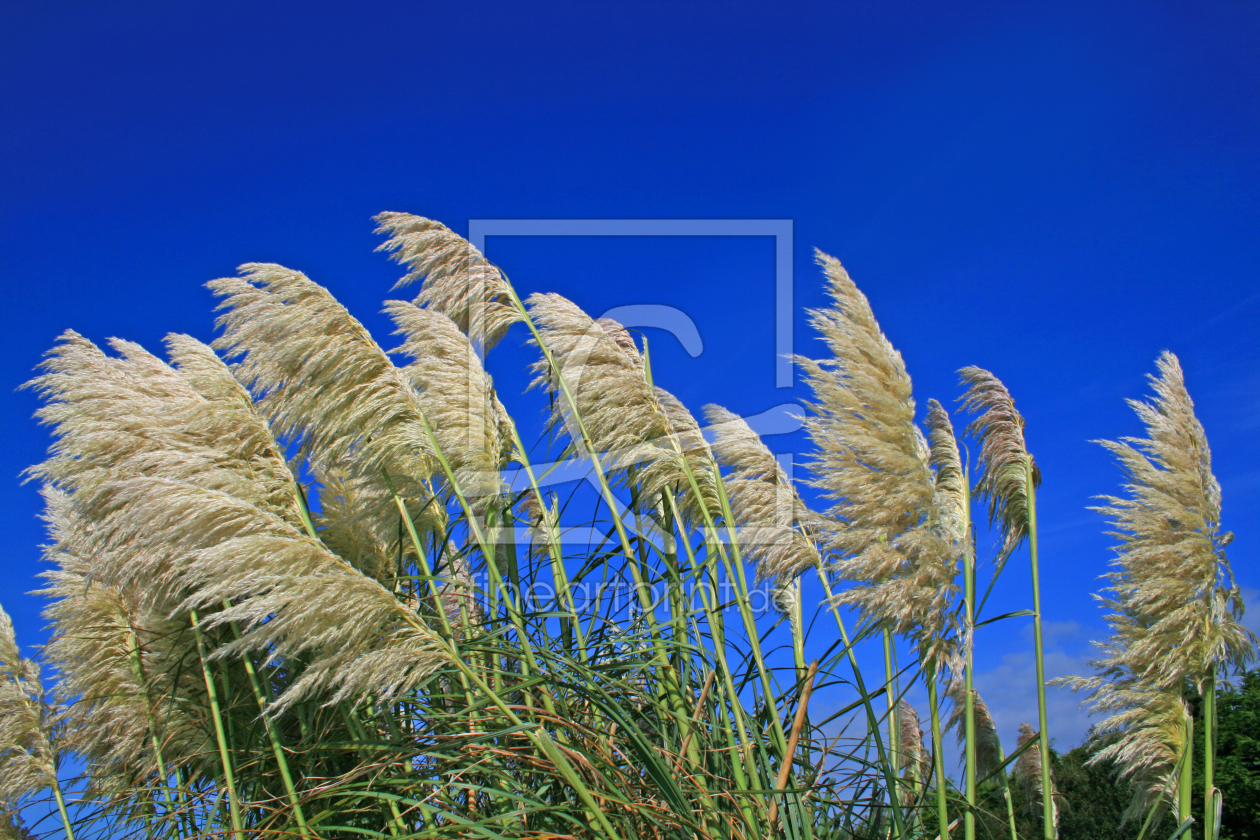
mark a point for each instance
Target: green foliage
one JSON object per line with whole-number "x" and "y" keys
{"x": 1237, "y": 756}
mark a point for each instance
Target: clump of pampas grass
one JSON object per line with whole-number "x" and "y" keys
{"x": 1175, "y": 610}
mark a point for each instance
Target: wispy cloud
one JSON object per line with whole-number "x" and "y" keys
{"x": 1010, "y": 688}
{"x": 1251, "y": 598}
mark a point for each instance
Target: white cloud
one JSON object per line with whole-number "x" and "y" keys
{"x": 1251, "y": 599}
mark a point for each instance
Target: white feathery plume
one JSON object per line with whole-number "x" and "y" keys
{"x": 988, "y": 746}
{"x": 1028, "y": 771}
{"x": 1182, "y": 611}
{"x": 233, "y": 425}
{"x": 689, "y": 446}
{"x": 458, "y": 281}
{"x": 999, "y": 428}
{"x": 1144, "y": 735}
{"x": 291, "y": 596}
{"x": 631, "y": 424}
{"x": 916, "y": 761}
{"x": 459, "y": 592}
{"x": 873, "y": 462}
{"x": 169, "y": 526}
{"x": 1175, "y": 611}
{"x": 358, "y": 520}
{"x": 103, "y": 635}
{"x": 322, "y": 381}
{"x": 951, "y": 494}
{"x": 135, "y": 415}
{"x": 319, "y": 377}
{"x": 457, "y": 396}
{"x": 774, "y": 523}
{"x": 28, "y": 756}
{"x": 622, "y": 337}
{"x": 869, "y": 453}
{"x": 952, "y": 497}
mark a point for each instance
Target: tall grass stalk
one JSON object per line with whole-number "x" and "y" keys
{"x": 1049, "y": 815}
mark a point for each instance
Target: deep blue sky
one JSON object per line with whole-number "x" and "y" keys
{"x": 1053, "y": 192}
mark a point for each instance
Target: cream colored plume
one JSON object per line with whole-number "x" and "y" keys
{"x": 135, "y": 415}
{"x": 915, "y": 760}
{"x": 458, "y": 281}
{"x": 182, "y": 516}
{"x": 952, "y": 494}
{"x": 1143, "y": 734}
{"x": 1028, "y": 771}
{"x": 630, "y": 424}
{"x": 359, "y": 521}
{"x": 988, "y": 746}
{"x": 457, "y": 396}
{"x": 324, "y": 383}
{"x": 1174, "y": 609}
{"x": 870, "y": 457}
{"x": 999, "y": 428}
{"x": 124, "y": 664}
{"x": 28, "y": 757}
{"x": 873, "y": 462}
{"x": 1181, "y": 609}
{"x": 293, "y": 599}
{"x": 319, "y": 377}
{"x": 774, "y": 524}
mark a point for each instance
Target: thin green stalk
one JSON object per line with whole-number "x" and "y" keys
{"x": 678, "y": 619}
{"x": 522, "y": 458}
{"x": 538, "y": 736}
{"x": 1006, "y": 796}
{"x": 872, "y": 720}
{"x": 735, "y": 570}
{"x": 277, "y": 749}
{"x": 217, "y": 716}
{"x": 706, "y": 576}
{"x": 487, "y": 551}
{"x": 133, "y": 654}
{"x": 798, "y": 631}
{"x": 605, "y": 488}
{"x": 969, "y": 711}
{"x": 553, "y": 546}
{"x": 1185, "y": 778}
{"x": 61, "y": 806}
{"x": 1047, "y": 792}
{"x": 890, "y": 694}
{"x": 1209, "y": 757}
{"x": 737, "y": 768}
{"x": 300, "y": 498}
{"x": 709, "y": 599}
{"x": 938, "y": 756}
{"x": 422, "y": 561}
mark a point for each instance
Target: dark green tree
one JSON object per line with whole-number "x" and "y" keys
{"x": 1237, "y": 757}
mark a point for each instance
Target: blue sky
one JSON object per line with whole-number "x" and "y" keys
{"x": 1055, "y": 192}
